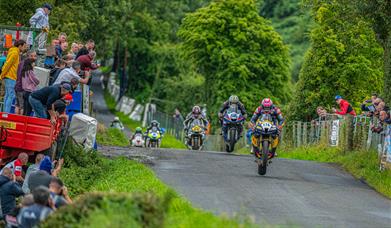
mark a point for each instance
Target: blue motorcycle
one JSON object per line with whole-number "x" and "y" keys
{"x": 232, "y": 127}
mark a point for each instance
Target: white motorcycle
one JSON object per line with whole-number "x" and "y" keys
{"x": 138, "y": 140}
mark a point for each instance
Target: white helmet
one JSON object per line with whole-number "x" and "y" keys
{"x": 116, "y": 118}
{"x": 233, "y": 99}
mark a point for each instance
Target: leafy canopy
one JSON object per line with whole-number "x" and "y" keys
{"x": 237, "y": 51}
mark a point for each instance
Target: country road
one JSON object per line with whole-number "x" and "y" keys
{"x": 293, "y": 192}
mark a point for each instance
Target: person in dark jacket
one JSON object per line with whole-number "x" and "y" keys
{"x": 9, "y": 191}
{"x": 43, "y": 206}
{"x": 42, "y": 100}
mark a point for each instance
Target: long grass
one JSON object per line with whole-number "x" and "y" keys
{"x": 169, "y": 141}
{"x": 85, "y": 172}
{"x": 362, "y": 164}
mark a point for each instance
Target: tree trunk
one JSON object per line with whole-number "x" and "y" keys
{"x": 387, "y": 70}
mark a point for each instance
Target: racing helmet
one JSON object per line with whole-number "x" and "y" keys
{"x": 154, "y": 123}
{"x": 139, "y": 130}
{"x": 116, "y": 118}
{"x": 267, "y": 104}
{"x": 233, "y": 99}
{"x": 196, "y": 109}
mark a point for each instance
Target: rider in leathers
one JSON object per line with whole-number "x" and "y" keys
{"x": 268, "y": 107}
{"x": 194, "y": 114}
{"x": 232, "y": 100}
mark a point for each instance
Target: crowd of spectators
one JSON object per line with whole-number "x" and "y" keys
{"x": 374, "y": 108}
{"x": 39, "y": 189}
{"x": 68, "y": 68}
{"x": 29, "y": 194}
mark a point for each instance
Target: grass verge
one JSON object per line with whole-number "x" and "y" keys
{"x": 361, "y": 164}
{"x": 111, "y": 137}
{"x": 169, "y": 141}
{"x": 122, "y": 180}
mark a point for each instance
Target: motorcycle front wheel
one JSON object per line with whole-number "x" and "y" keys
{"x": 262, "y": 164}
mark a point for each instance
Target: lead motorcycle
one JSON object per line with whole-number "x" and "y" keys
{"x": 233, "y": 122}
{"x": 153, "y": 138}
{"x": 264, "y": 133}
{"x": 196, "y": 135}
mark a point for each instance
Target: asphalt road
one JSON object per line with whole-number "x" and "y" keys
{"x": 302, "y": 193}
{"x": 103, "y": 114}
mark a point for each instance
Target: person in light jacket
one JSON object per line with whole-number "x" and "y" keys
{"x": 29, "y": 84}
{"x": 39, "y": 20}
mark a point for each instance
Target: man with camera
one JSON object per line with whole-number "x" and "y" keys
{"x": 59, "y": 193}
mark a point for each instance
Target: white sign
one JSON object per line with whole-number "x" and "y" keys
{"x": 334, "y": 133}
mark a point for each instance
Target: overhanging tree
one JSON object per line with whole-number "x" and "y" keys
{"x": 344, "y": 59}
{"x": 237, "y": 51}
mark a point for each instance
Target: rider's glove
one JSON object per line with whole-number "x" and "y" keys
{"x": 220, "y": 115}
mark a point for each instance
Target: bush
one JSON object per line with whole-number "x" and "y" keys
{"x": 112, "y": 210}
{"x": 111, "y": 137}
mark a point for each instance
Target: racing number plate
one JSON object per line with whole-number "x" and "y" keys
{"x": 6, "y": 124}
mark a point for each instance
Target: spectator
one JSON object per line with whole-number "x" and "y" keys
{"x": 29, "y": 85}
{"x": 45, "y": 173}
{"x": 50, "y": 54}
{"x": 41, "y": 17}
{"x": 19, "y": 106}
{"x": 32, "y": 168}
{"x": 86, "y": 61}
{"x": 17, "y": 166}
{"x": 9, "y": 191}
{"x": 62, "y": 37}
{"x": 60, "y": 49}
{"x": 59, "y": 193}
{"x": 74, "y": 50}
{"x": 39, "y": 20}
{"x": 9, "y": 72}
{"x": 322, "y": 113}
{"x": 59, "y": 107}
{"x": 344, "y": 106}
{"x": 60, "y": 65}
{"x": 90, "y": 46}
{"x": 68, "y": 58}
{"x": 69, "y": 73}
{"x": 11, "y": 218}
{"x": 43, "y": 206}
{"x": 42, "y": 100}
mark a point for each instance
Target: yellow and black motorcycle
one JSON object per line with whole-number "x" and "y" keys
{"x": 264, "y": 137}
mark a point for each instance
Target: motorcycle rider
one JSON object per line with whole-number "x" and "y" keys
{"x": 267, "y": 107}
{"x": 154, "y": 123}
{"x": 194, "y": 114}
{"x": 232, "y": 100}
{"x": 116, "y": 123}
{"x": 138, "y": 131}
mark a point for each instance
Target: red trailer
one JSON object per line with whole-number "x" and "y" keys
{"x": 26, "y": 134}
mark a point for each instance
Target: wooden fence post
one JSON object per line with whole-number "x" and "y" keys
{"x": 349, "y": 133}
{"x": 305, "y": 136}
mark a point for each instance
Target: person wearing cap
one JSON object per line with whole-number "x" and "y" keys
{"x": 41, "y": 17}
{"x": 42, "y": 100}
{"x": 344, "y": 106}
{"x": 45, "y": 173}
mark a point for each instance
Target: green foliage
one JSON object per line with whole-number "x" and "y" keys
{"x": 293, "y": 22}
{"x": 170, "y": 141}
{"x": 344, "y": 59}
{"x": 112, "y": 210}
{"x": 111, "y": 137}
{"x": 121, "y": 176}
{"x": 126, "y": 121}
{"x": 237, "y": 51}
{"x": 362, "y": 164}
{"x": 87, "y": 166}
